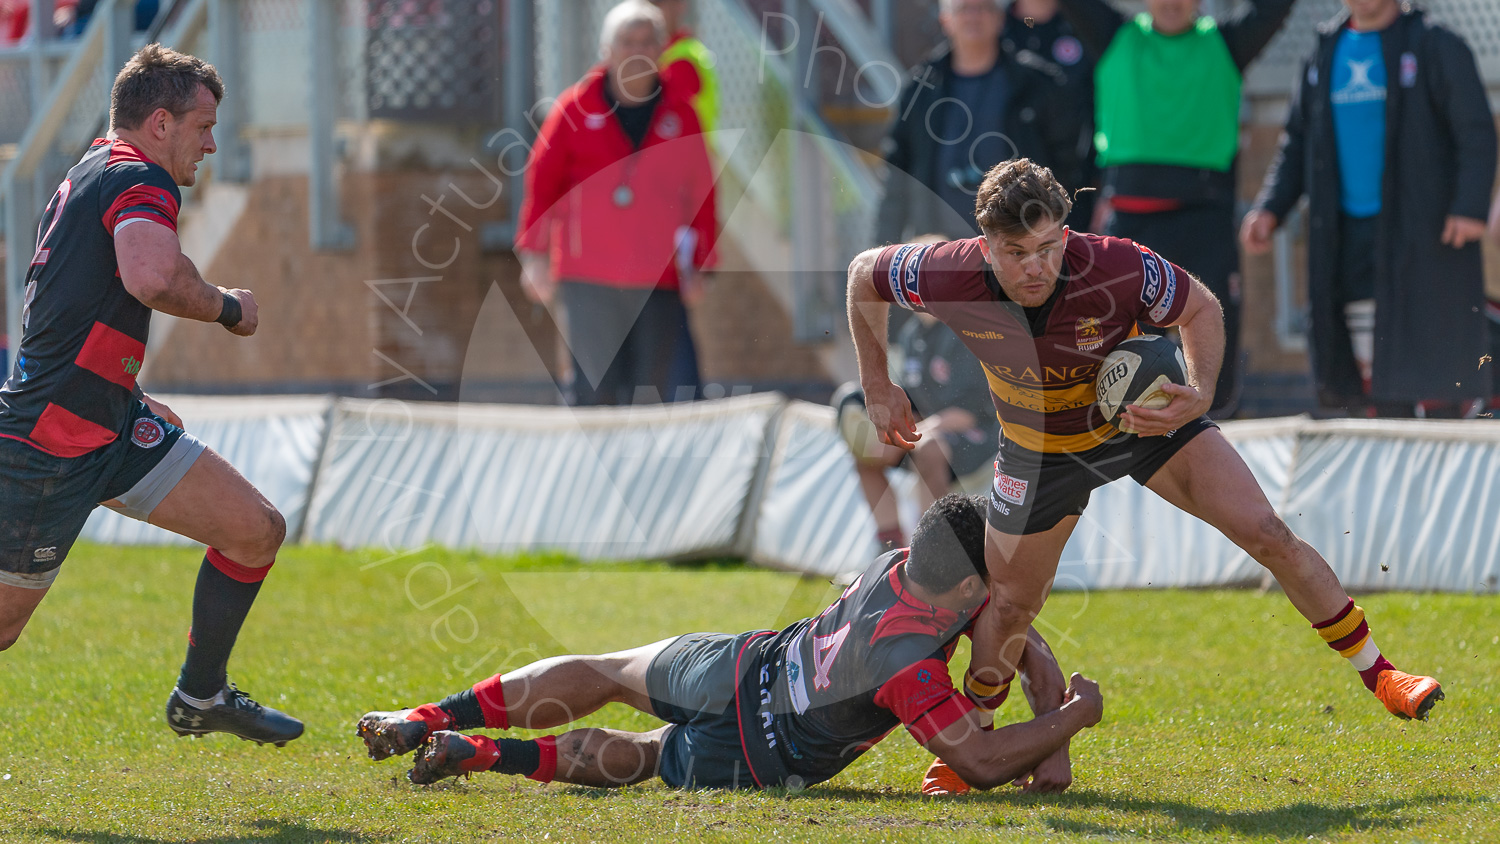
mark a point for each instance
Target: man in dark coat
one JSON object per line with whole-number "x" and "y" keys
{"x": 974, "y": 103}
{"x": 1419, "y": 256}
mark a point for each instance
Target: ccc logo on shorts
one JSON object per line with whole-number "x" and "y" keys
{"x": 148, "y": 433}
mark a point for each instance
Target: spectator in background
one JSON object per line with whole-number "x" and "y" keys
{"x": 959, "y": 428}
{"x": 1167, "y": 127}
{"x": 15, "y": 19}
{"x": 687, "y": 69}
{"x": 1036, "y": 25}
{"x": 687, "y": 65}
{"x": 619, "y": 214}
{"x": 1395, "y": 273}
{"x": 974, "y": 103}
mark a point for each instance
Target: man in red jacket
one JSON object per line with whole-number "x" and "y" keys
{"x": 619, "y": 215}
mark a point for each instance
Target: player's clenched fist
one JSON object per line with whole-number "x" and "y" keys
{"x": 249, "y": 312}
{"x": 1083, "y": 694}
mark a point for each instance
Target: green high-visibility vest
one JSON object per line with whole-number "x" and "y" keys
{"x": 1167, "y": 99}
{"x": 706, "y": 101}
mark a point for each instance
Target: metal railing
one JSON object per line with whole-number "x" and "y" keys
{"x": 242, "y": 38}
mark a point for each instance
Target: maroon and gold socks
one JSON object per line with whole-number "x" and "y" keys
{"x": 1349, "y": 634}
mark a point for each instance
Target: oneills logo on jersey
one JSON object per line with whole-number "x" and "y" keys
{"x": 1089, "y": 334}
{"x": 983, "y": 335}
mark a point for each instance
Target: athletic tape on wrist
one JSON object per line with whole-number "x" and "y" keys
{"x": 232, "y": 313}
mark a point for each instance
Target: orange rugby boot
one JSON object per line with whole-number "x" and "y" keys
{"x": 941, "y": 779}
{"x": 1407, "y": 695}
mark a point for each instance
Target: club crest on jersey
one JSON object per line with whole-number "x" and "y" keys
{"x": 1089, "y": 333}
{"x": 1010, "y": 489}
{"x": 147, "y": 433}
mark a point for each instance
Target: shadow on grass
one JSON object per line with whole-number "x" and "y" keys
{"x": 266, "y": 832}
{"x": 1298, "y": 819}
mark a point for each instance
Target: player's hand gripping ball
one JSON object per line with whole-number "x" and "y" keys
{"x": 1133, "y": 374}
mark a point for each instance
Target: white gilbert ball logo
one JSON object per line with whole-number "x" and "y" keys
{"x": 1114, "y": 380}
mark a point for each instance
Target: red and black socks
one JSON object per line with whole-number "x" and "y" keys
{"x": 225, "y": 592}
{"x": 1349, "y": 634}
{"x": 482, "y": 706}
{"x": 535, "y": 759}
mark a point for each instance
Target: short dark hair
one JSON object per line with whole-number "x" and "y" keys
{"x": 947, "y": 547}
{"x": 157, "y": 77}
{"x": 1019, "y": 197}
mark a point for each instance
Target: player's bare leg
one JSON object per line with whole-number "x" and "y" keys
{"x": 1210, "y": 480}
{"x": 934, "y": 469}
{"x": 215, "y": 505}
{"x": 16, "y": 606}
{"x": 882, "y": 500}
{"x": 547, "y": 693}
{"x": 1022, "y": 569}
{"x": 593, "y": 757}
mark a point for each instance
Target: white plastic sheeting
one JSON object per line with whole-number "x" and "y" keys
{"x": 273, "y": 441}
{"x": 1401, "y": 505}
{"x": 812, "y": 516}
{"x": 662, "y": 481}
{"x": 1130, "y": 537}
{"x": 1392, "y": 505}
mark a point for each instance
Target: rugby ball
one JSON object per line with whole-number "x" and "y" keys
{"x": 1134, "y": 372}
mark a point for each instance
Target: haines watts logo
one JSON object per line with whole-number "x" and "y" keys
{"x": 984, "y": 335}
{"x": 132, "y": 366}
{"x": 1090, "y": 336}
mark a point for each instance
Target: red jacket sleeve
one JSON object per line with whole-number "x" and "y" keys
{"x": 923, "y": 697}
{"x": 546, "y": 180}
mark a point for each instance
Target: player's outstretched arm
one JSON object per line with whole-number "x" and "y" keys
{"x": 986, "y": 759}
{"x": 889, "y": 409}
{"x": 154, "y": 271}
{"x": 1202, "y": 326}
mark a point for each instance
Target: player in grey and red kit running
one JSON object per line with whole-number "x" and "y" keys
{"x": 769, "y": 708}
{"x": 76, "y": 431}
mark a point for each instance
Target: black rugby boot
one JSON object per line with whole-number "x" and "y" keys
{"x": 238, "y": 715}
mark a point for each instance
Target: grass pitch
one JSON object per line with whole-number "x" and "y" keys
{"x": 1225, "y": 717}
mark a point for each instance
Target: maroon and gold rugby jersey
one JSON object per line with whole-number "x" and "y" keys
{"x": 83, "y": 336}
{"x": 1040, "y": 362}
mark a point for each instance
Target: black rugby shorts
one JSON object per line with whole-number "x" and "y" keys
{"x": 1033, "y": 491}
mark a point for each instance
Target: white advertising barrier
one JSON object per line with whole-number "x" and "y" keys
{"x": 273, "y": 441}
{"x": 662, "y": 481}
{"x": 1129, "y": 537}
{"x": 1401, "y": 505}
{"x": 812, "y": 516}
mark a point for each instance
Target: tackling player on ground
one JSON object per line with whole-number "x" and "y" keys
{"x": 768, "y": 708}
{"x": 76, "y": 430}
{"x": 1040, "y": 307}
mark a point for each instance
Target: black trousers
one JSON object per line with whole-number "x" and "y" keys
{"x": 1201, "y": 239}
{"x": 624, "y": 341}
